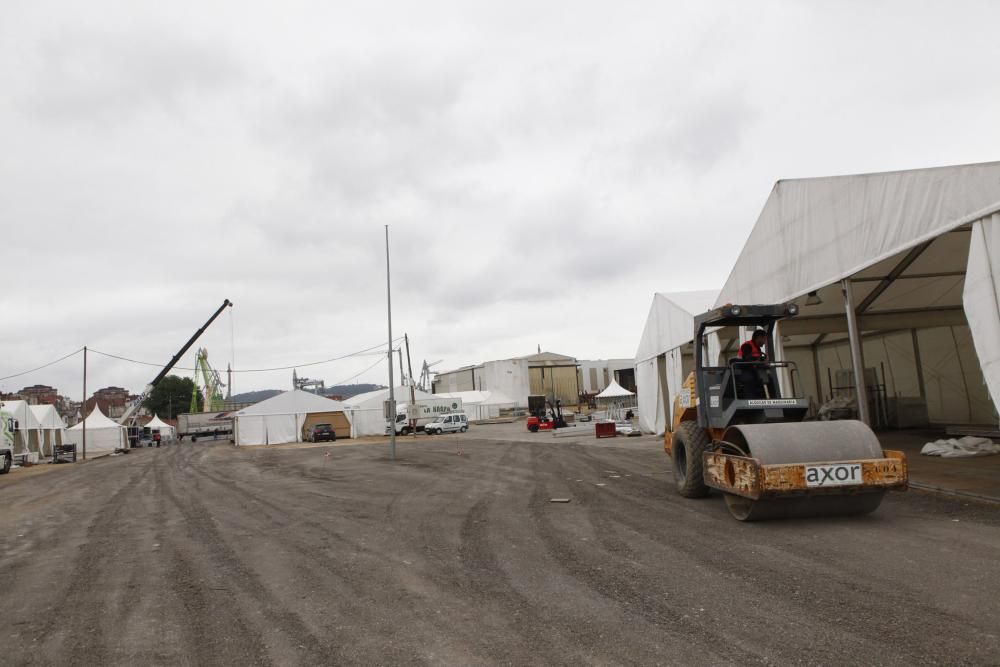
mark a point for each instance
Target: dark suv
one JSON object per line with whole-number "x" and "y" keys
{"x": 322, "y": 433}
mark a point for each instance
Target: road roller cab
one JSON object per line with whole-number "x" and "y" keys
{"x": 739, "y": 428}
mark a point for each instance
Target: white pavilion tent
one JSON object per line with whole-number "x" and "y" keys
{"x": 167, "y": 432}
{"x": 281, "y": 418}
{"x": 27, "y": 431}
{"x": 663, "y": 358}
{"x": 104, "y": 435}
{"x": 897, "y": 277}
{"x": 51, "y": 427}
{"x": 616, "y": 400}
{"x": 480, "y": 405}
{"x": 366, "y": 410}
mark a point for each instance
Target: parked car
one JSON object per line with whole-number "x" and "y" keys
{"x": 448, "y": 423}
{"x": 322, "y": 433}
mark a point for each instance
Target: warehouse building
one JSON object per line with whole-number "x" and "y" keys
{"x": 555, "y": 376}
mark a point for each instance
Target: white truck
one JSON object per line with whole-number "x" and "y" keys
{"x": 410, "y": 418}
{"x": 6, "y": 442}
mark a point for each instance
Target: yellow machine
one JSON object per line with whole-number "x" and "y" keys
{"x": 753, "y": 445}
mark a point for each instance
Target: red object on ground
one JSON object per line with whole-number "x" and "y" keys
{"x": 605, "y": 429}
{"x": 535, "y": 424}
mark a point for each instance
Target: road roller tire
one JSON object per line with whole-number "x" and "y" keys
{"x": 689, "y": 443}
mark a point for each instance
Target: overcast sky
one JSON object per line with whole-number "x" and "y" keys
{"x": 543, "y": 167}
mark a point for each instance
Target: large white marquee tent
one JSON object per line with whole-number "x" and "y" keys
{"x": 104, "y": 435}
{"x": 280, "y": 419}
{"x": 366, "y": 410}
{"x": 479, "y": 405}
{"x": 663, "y": 357}
{"x": 897, "y": 277}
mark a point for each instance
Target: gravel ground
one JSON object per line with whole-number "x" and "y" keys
{"x": 206, "y": 554}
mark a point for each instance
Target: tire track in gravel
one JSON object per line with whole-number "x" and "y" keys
{"x": 217, "y": 557}
{"x": 871, "y": 601}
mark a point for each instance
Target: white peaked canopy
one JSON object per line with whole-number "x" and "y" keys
{"x": 920, "y": 251}
{"x": 615, "y": 390}
{"x": 104, "y": 435}
{"x": 659, "y": 362}
{"x": 167, "y": 432}
{"x": 365, "y": 410}
{"x": 280, "y": 418}
{"x": 27, "y": 428}
{"x": 51, "y": 426}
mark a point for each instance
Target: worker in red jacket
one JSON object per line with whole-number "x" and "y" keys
{"x": 753, "y": 378}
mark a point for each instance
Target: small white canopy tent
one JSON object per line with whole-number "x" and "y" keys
{"x": 915, "y": 255}
{"x": 280, "y": 419}
{"x": 27, "y": 431}
{"x": 104, "y": 435}
{"x": 479, "y": 405}
{"x": 167, "y": 432}
{"x": 51, "y": 426}
{"x": 660, "y": 360}
{"x": 616, "y": 400}
{"x": 366, "y": 413}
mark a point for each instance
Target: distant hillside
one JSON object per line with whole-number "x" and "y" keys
{"x": 348, "y": 390}
{"x": 345, "y": 390}
{"x": 255, "y": 396}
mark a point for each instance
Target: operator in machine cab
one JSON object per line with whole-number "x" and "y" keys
{"x": 752, "y": 378}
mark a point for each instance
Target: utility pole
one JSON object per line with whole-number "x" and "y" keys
{"x": 391, "y": 407}
{"x": 83, "y": 409}
{"x": 413, "y": 391}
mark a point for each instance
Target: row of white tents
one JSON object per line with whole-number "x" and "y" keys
{"x": 39, "y": 428}
{"x": 897, "y": 277}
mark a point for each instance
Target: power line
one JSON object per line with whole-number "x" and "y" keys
{"x": 247, "y": 370}
{"x": 357, "y": 375}
{"x": 8, "y": 377}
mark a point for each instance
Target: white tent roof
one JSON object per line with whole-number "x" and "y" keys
{"x": 372, "y": 399}
{"x": 293, "y": 402}
{"x": 21, "y": 411}
{"x": 671, "y": 321}
{"x": 47, "y": 416}
{"x": 815, "y": 231}
{"x": 96, "y": 420}
{"x": 157, "y": 423}
{"x": 614, "y": 390}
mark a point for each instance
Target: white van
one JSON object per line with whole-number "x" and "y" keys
{"x": 448, "y": 423}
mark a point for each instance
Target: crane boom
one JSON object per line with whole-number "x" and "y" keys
{"x": 173, "y": 362}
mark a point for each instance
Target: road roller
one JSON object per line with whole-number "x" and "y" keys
{"x": 741, "y": 429}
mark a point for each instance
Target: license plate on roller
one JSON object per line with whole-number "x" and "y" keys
{"x": 836, "y": 474}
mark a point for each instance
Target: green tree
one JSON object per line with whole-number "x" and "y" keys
{"x": 171, "y": 397}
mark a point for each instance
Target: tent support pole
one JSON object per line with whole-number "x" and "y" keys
{"x": 919, "y": 364}
{"x": 857, "y": 360}
{"x": 819, "y": 380}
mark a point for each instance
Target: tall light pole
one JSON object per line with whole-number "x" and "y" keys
{"x": 391, "y": 406}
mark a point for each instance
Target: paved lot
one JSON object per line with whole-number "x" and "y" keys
{"x": 205, "y": 554}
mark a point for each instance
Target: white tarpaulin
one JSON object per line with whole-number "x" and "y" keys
{"x": 280, "y": 418}
{"x": 51, "y": 426}
{"x": 658, "y": 359}
{"x": 960, "y": 448}
{"x": 982, "y": 298}
{"x": 480, "y": 405}
{"x": 23, "y": 425}
{"x": 906, "y": 241}
{"x": 104, "y": 435}
{"x": 365, "y": 410}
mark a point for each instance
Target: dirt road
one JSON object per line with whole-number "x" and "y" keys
{"x": 205, "y": 554}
